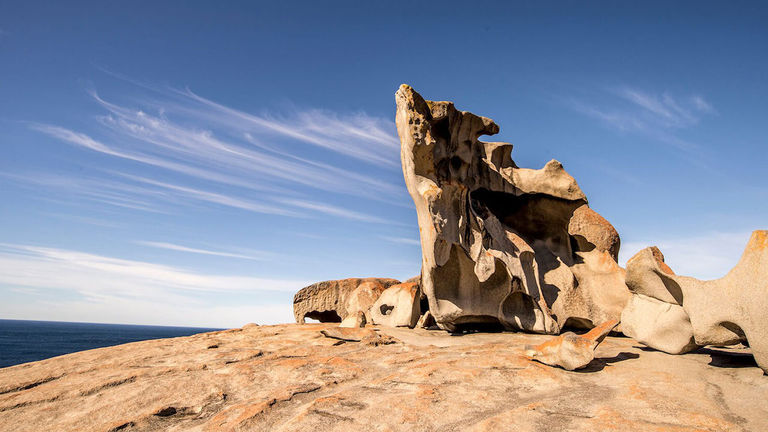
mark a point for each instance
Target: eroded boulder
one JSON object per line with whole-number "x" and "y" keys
{"x": 354, "y": 320}
{"x": 502, "y": 245}
{"x": 569, "y": 350}
{"x": 398, "y": 306}
{"x": 334, "y": 300}
{"x": 654, "y": 315}
{"x": 667, "y": 310}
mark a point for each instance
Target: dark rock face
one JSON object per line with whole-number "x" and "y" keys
{"x": 502, "y": 245}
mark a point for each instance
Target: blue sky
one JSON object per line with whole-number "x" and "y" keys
{"x": 195, "y": 163}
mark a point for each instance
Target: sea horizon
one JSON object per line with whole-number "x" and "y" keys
{"x": 24, "y": 341}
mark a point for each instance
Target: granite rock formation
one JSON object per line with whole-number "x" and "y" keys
{"x": 289, "y": 378}
{"x": 354, "y": 320}
{"x": 334, "y": 300}
{"x": 569, "y": 350}
{"x": 398, "y": 306}
{"x": 501, "y": 245}
{"x": 677, "y": 314}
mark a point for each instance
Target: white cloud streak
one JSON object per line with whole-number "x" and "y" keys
{"x": 333, "y": 211}
{"x": 253, "y": 255}
{"x": 659, "y": 116}
{"x": 99, "y": 277}
{"x": 358, "y": 136}
{"x": 91, "y": 274}
{"x": 145, "y": 312}
{"x": 403, "y": 240}
{"x": 96, "y": 288}
{"x": 203, "y": 151}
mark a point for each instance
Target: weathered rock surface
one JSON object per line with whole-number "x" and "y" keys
{"x": 677, "y": 313}
{"x": 426, "y": 320}
{"x": 354, "y": 320}
{"x": 334, "y": 300}
{"x": 398, "y": 306}
{"x": 569, "y": 350}
{"x": 292, "y": 378}
{"x": 502, "y": 245}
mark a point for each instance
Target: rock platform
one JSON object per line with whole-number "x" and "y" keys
{"x": 292, "y": 378}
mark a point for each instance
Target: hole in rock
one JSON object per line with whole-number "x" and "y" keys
{"x": 386, "y": 309}
{"x": 323, "y": 316}
{"x": 478, "y": 324}
{"x": 535, "y": 217}
{"x": 578, "y": 324}
{"x": 522, "y": 313}
{"x": 424, "y": 303}
{"x": 738, "y": 333}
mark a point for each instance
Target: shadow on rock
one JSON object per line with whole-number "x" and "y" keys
{"x": 728, "y": 359}
{"x": 600, "y": 363}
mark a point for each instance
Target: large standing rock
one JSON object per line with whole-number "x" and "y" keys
{"x": 334, "y": 300}
{"x": 677, "y": 313}
{"x": 502, "y": 244}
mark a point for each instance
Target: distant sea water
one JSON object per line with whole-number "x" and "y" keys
{"x": 27, "y": 341}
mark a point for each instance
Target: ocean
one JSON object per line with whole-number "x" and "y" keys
{"x": 27, "y": 341}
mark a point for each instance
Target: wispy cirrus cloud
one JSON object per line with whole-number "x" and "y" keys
{"x": 249, "y": 255}
{"x": 658, "y": 115}
{"x": 372, "y": 139}
{"x": 96, "y": 275}
{"x": 70, "y": 285}
{"x": 403, "y": 240}
{"x": 198, "y": 150}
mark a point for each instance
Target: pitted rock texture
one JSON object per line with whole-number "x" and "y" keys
{"x": 334, "y": 300}
{"x": 502, "y": 245}
{"x": 677, "y": 313}
{"x": 292, "y": 378}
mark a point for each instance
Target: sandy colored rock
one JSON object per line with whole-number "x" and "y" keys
{"x": 292, "y": 378}
{"x": 354, "y": 320}
{"x": 654, "y": 316}
{"x": 724, "y": 311}
{"x": 327, "y": 301}
{"x": 426, "y": 320}
{"x": 569, "y": 350}
{"x": 398, "y": 306}
{"x": 502, "y": 245}
{"x": 590, "y": 229}
{"x": 659, "y": 325}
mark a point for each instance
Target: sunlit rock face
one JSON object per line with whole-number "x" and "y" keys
{"x": 335, "y": 300}
{"x": 502, "y": 246}
{"x": 677, "y": 314}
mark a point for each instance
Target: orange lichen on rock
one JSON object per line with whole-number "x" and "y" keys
{"x": 569, "y": 350}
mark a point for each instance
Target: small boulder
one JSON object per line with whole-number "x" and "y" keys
{"x": 426, "y": 320}
{"x": 356, "y": 320}
{"x": 398, "y": 306}
{"x": 569, "y": 350}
